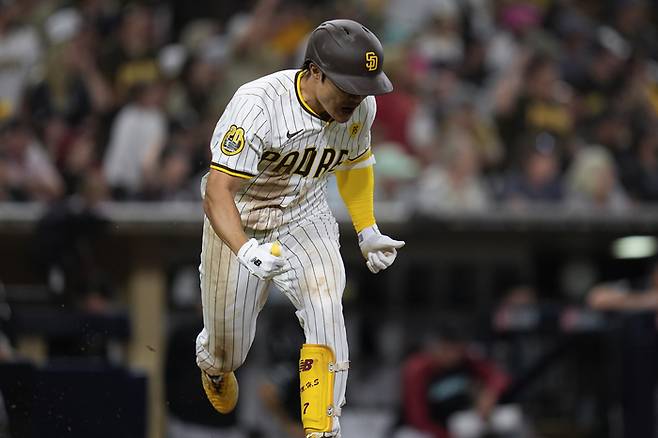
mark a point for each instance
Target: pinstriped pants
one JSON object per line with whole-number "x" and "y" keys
{"x": 232, "y": 297}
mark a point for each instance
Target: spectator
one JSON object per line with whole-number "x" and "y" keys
{"x": 601, "y": 85}
{"x": 26, "y": 170}
{"x": 454, "y": 185}
{"x": 182, "y": 158}
{"x": 439, "y": 88}
{"x": 616, "y": 297}
{"x": 200, "y": 77}
{"x": 394, "y": 109}
{"x": 451, "y": 391}
{"x": 641, "y": 174}
{"x": 575, "y": 31}
{"x": 173, "y": 176}
{"x": 73, "y": 86}
{"x": 532, "y": 99}
{"x": 539, "y": 180}
{"x": 67, "y": 243}
{"x": 130, "y": 59}
{"x": 136, "y": 141}
{"x": 633, "y": 20}
{"x": 397, "y": 173}
{"x": 592, "y": 182}
{"x": 474, "y": 69}
{"x": 77, "y": 158}
{"x": 639, "y": 348}
{"x": 439, "y": 42}
{"x": 465, "y": 120}
{"x": 20, "y": 52}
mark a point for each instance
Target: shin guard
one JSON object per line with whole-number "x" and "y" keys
{"x": 317, "y": 366}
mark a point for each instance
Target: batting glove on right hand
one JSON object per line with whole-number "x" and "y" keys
{"x": 260, "y": 261}
{"x": 379, "y": 250}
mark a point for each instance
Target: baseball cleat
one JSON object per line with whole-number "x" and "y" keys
{"x": 222, "y": 391}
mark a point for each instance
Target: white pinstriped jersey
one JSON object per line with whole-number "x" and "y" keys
{"x": 270, "y": 136}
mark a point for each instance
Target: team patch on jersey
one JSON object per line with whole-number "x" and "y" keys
{"x": 233, "y": 140}
{"x": 354, "y": 129}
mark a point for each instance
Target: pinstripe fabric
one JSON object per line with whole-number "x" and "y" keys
{"x": 279, "y": 191}
{"x": 287, "y": 157}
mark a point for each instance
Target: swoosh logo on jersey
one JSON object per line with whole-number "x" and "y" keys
{"x": 289, "y": 135}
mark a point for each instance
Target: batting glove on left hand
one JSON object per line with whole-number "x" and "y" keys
{"x": 379, "y": 250}
{"x": 262, "y": 260}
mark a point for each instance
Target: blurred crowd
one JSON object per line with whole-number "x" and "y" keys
{"x": 523, "y": 103}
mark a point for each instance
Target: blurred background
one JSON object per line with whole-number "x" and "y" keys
{"x": 517, "y": 156}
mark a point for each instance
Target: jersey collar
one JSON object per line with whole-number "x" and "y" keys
{"x": 300, "y": 98}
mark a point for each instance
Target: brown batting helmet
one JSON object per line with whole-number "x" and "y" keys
{"x": 350, "y": 55}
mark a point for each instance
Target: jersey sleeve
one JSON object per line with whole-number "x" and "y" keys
{"x": 360, "y": 154}
{"x": 239, "y": 137}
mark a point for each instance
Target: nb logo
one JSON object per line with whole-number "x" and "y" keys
{"x": 256, "y": 261}
{"x": 372, "y": 61}
{"x": 305, "y": 365}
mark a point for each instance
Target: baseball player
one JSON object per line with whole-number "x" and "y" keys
{"x": 267, "y": 217}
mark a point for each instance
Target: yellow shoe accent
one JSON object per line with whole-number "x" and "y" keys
{"x": 224, "y": 395}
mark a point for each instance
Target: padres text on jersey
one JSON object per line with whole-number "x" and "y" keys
{"x": 271, "y": 137}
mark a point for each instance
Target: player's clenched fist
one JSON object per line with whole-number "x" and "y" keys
{"x": 264, "y": 261}
{"x": 379, "y": 250}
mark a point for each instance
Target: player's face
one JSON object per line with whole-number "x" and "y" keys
{"x": 337, "y": 103}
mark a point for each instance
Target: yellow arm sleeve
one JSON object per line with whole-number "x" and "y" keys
{"x": 357, "y": 188}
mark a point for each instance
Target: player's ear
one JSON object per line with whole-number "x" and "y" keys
{"x": 316, "y": 72}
